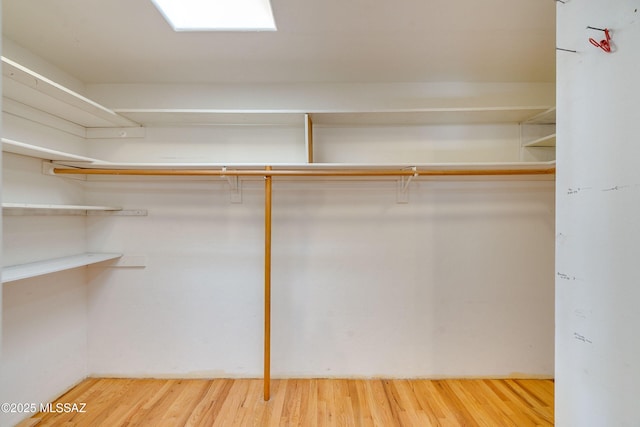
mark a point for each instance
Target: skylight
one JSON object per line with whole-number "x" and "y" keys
{"x": 217, "y": 15}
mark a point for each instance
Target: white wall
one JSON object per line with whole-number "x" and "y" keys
{"x": 597, "y": 276}
{"x": 226, "y": 143}
{"x": 44, "y": 318}
{"x": 456, "y": 283}
{"x": 332, "y": 144}
{"x": 441, "y": 287}
{"x": 44, "y": 338}
{"x": 1, "y": 133}
{"x": 417, "y": 144}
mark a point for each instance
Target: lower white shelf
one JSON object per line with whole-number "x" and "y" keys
{"x": 39, "y": 268}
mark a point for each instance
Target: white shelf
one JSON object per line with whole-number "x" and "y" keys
{"x": 429, "y": 116}
{"x": 311, "y": 166}
{"x": 33, "y": 269}
{"x": 546, "y": 141}
{"x": 545, "y": 118}
{"x": 150, "y": 117}
{"x": 22, "y": 148}
{"x": 16, "y": 209}
{"x": 30, "y": 88}
{"x": 200, "y": 117}
{"x": 167, "y": 165}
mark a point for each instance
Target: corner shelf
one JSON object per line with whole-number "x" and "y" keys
{"x": 545, "y": 141}
{"x": 547, "y": 117}
{"x": 538, "y": 136}
{"x": 30, "y": 88}
{"x": 40, "y": 268}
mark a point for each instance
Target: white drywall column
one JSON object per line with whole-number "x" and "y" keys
{"x": 1, "y": 190}
{"x": 598, "y": 207}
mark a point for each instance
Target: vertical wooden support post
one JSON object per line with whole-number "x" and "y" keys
{"x": 308, "y": 137}
{"x": 267, "y": 285}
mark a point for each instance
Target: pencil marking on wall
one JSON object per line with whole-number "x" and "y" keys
{"x": 564, "y": 276}
{"x": 572, "y": 191}
{"x": 582, "y": 338}
{"x": 581, "y": 313}
{"x": 616, "y": 188}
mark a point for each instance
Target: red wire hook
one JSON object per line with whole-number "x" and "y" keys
{"x": 604, "y": 44}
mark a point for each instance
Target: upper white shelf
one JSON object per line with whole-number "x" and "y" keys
{"x": 430, "y": 116}
{"x": 200, "y": 117}
{"x": 39, "y": 268}
{"x": 151, "y": 117}
{"x": 30, "y": 88}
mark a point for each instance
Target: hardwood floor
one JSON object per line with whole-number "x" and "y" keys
{"x": 314, "y": 402}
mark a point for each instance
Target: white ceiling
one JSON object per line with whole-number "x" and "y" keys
{"x": 128, "y": 41}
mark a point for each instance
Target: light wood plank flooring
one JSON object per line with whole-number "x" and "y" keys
{"x": 312, "y": 402}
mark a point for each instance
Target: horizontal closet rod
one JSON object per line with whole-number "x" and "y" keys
{"x": 305, "y": 172}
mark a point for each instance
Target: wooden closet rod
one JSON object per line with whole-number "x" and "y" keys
{"x": 305, "y": 172}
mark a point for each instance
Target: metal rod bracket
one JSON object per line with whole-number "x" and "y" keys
{"x": 48, "y": 169}
{"x": 235, "y": 186}
{"x": 402, "y": 188}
